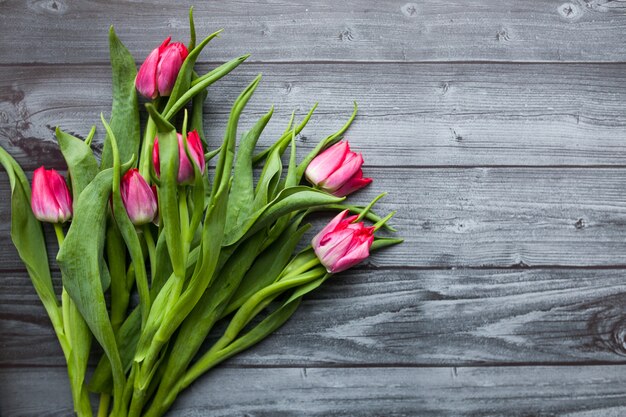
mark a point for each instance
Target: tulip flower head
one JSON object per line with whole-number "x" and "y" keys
{"x": 337, "y": 170}
{"x": 138, "y": 198}
{"x": 157, "y": 74}
{"x": 343, "y": 243}
{"x": 50, "y": 200}
{"x": 185, "y": 169}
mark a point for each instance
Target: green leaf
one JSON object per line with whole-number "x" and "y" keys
{"x": 202, "y": 83}
{"x": 28, "y": 238}
{"x": 168, "y": 190}
{"x": 240, "y": 203}
{"x": 325, "y": 143}
{"x": 227, "y": 152}
{"x": 183, "y": 80}
{"x": 267, "y": 266}
{"x": 197, "y": 107}
{"x": 288, "y": 200}
{"x": 125, "y": 110}
{"x": 127, "y": 230}
{"x": 79, "y": 259}
{"x": 284, "y": 140}
{"x": 81, "y": 163}
{"x": 383, "y": 242}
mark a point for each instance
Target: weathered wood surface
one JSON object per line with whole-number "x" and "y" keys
{"x": 63, "y": 31}
{"x": 403, "y": 317}
{"x": 588, "y": 391}
{"x": 484, "y": 217}
{"x": 410, "y": 114}
{"x": 499, "y": 128}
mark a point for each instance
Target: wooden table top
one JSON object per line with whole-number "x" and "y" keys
{"x": 499, "y": 129}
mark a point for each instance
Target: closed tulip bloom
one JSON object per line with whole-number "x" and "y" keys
{"x": 138, "y": 198}
{"x": 185, "y": 169}
{"x": 337, "y": 170}
{"x": 342, "y": 243}
{"x": 50, "y": 200}
{"x": 157, "y": 74}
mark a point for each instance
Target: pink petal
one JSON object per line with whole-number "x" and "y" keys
{"x": 146, "y": 80}
{"x": 353, "y": 256}
{"x": 328, "y": 228}
{"x": 168, "y": 67}
{"x": 351, "y": 165}
{"x": 327, "y": 162}
{"x": 353, "y": 184}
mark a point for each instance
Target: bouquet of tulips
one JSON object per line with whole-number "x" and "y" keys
{"x": 215, "y": 251}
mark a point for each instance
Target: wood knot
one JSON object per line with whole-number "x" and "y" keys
{"x": 346, "y": 35}
{"x": 456, "y": 136}
{"x": 569, "y": 11}
{"x": 580, "y": 223}
{"x": 502, "y": 35}
{"x": 608, "y": 325}
{"x": 55, "y": 7}
{"x": 409, "y": 10}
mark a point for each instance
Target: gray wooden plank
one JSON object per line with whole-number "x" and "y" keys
{"x": 62, "y": 31}
{"x": 413, "y": 114}
{"x": 402, "y": 317}
{"x": 500, "y": 391}
{"x": 482, "y": 217}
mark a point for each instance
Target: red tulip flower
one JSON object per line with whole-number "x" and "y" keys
{"x": 337, "y": 170}
{"x": 185, "y": 169}
{"x": 50, "y": 200}
{"x": 343, "y": 243}
{"x": 157, "y": 74}
{"x": 138, "y": 198}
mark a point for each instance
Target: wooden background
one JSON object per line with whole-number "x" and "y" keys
{"x": 499, "y": 128}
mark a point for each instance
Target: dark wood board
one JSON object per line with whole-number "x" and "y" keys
{"x": 499, "y": 129}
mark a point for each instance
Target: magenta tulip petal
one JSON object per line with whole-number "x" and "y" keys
{"x": 329, "y": 228}
{"x": 353, "y": 184}
{"x": 50, "y": 199}
{"x": 351, "y": 165}
{"x": 138, "y": 198}
{"x": 146, "y": 81}
{"x": 168, "y": 68}
{"x": 326, "y": 163}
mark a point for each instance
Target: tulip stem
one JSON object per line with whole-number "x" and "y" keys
{"x": 147, "y": 234}
{"x": 58, "y": 229}
{"x": 103, "y": 406}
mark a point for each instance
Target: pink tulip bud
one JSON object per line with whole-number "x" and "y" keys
{"x": 157, "y": 74}
{"x": 50, "y": 200}
{"x": 337, "y": 170}
{"x": 138, "y": 198}
{"x": 185, "y": 169}
{"x": 343, "y": 243}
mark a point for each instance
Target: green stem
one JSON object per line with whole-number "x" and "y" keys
{"x": 103, "y": 407}
{"x": 146, "y": 148}
{"x": 147, "y": 234}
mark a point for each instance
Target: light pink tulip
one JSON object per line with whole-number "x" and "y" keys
{"x": 157, "y": 74}
{"x": 185, "y": 169}
{"x": 138, "y": 198}
{"x": 50, "y": 200}
{"x": 337, "y": 170}
{"x": 343, "y": 243}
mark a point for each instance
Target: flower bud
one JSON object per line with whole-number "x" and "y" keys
{"x": 138, "y": 198}
{"x": 185, "y": 169}
{"x": 50, "y": 200}
{"x": 342, "y": 243}
{"x": 157, "y": 74}
{"x": 337, "y": 170}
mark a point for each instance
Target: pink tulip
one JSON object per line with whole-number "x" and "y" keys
{"x": 343, "y": 243}
{"x": 157, "y": 74}
{"x": 185, "y": 169}
{"x": 50, "y": 200}
{"x": 138, "y": 198}
{"x": 337, "y": 170}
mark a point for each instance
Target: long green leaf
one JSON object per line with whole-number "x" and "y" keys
{"x": 125, "y": 109}
{"x": 79, "y": 259}
{"x": 81, "y": 163}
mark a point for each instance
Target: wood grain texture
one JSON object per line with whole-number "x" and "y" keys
{"x": 411, "y": 114}
{"x": 482, "y": 217}
{"x": 588, "y": 391}
{"x": 400, "y": 317}
{"x": 506, "y": 30}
